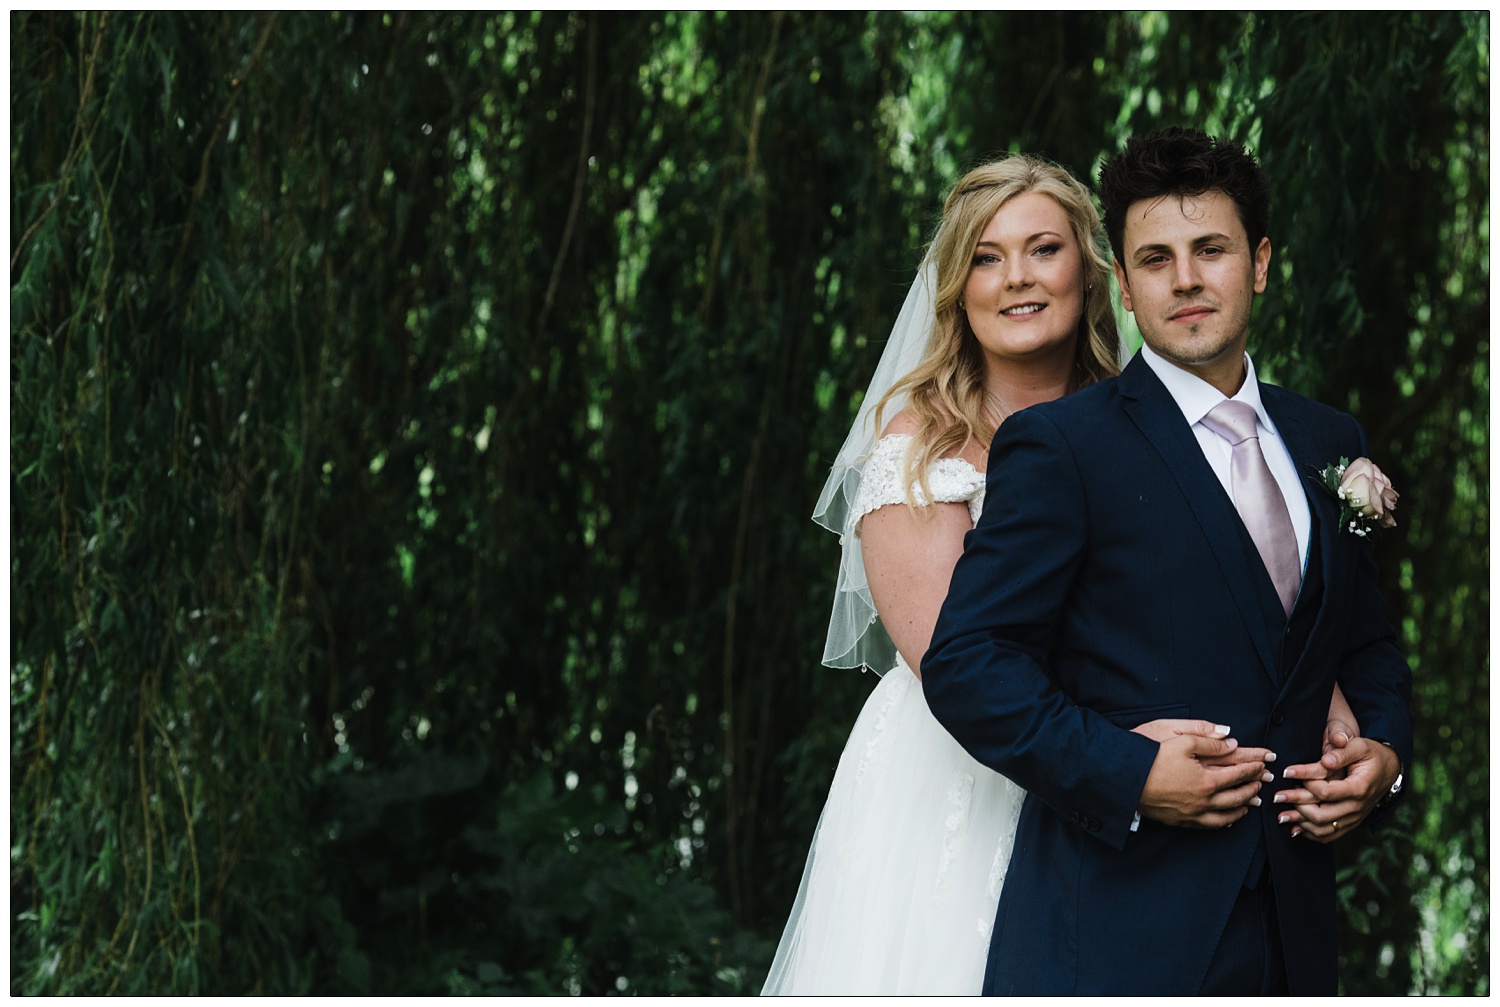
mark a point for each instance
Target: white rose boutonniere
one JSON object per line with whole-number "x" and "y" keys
{"x": 1366, "y": 497}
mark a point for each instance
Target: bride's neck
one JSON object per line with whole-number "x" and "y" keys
{"x": 1019, "y": 387}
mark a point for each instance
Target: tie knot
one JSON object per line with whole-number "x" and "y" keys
{"x": 1233, "y": 421}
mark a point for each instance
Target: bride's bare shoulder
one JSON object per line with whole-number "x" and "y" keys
{"x": 904, "y": 422}
{"x": 907, "y": 422}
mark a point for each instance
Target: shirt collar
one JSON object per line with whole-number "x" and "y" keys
{"x": 1195, "y": 397}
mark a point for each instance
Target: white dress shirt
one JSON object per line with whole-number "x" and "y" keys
{"x": 1195, "y": 397}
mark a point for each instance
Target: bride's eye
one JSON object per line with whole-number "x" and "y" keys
{"x": 1048, "y": 249}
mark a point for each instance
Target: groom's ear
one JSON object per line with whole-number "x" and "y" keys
{"x": 1262, "y": 264}
{"x": 1124, "y": 286}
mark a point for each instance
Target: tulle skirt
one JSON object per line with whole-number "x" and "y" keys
{"x": 904, "y": 875}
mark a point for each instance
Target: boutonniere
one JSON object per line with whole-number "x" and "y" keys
{"x": 1365, "y": 496}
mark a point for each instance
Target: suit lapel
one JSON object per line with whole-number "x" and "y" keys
{"x": 1153, "y": 410}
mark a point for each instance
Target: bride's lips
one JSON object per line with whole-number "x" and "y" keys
{"x": 1191, "y": 314}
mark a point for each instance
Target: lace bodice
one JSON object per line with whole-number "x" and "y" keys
{"x": 952, "y": 480}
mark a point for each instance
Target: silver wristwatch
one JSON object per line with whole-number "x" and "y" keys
{"x": 1390, "y": 795}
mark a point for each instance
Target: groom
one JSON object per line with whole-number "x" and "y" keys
{"x": 1152, "y": 547}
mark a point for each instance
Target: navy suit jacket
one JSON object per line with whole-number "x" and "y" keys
{"x": 1110, "y": 582}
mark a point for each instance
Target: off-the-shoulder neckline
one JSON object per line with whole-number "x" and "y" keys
{"x": 936, "y": 461}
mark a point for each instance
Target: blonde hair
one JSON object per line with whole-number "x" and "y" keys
{"x": 946, "y": 391}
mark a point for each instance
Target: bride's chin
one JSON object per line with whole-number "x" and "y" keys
{"x": 1028, "y": 348}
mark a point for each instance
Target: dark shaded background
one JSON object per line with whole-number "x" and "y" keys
{"x": 415, "y": 421}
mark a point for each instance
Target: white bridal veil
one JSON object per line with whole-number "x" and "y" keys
{"x": 855, "y": 635}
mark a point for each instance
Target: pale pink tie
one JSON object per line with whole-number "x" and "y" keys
{"x": 1258, "y": 498}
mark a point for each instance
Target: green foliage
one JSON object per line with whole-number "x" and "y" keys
{"x": 415, "y": 419}
{"x": 548, "y": 896}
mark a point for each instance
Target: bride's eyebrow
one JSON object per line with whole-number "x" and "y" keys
{"x": 1029, "y": 240}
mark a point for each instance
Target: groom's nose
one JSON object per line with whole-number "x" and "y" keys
{"x": 1186, "y": 278}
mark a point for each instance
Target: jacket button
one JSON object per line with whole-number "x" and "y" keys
{"x": 1093, "y": 825}
{"x": 1277, "y": 718}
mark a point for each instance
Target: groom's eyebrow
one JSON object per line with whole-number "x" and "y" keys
{"x": 1216, "y": 238}
{"x": 1139, "y": 252}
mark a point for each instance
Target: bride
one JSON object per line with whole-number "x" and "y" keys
{"x": 1011, "y": 308}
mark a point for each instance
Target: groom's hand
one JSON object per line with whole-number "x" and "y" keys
{"x": 1203, "y": 782}
{"x": 1339, "y": 791}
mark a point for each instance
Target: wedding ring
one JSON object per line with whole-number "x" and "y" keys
{"x": 1335, "y": 825}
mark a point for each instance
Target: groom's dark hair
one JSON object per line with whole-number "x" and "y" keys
{"x": 1182, "y": 162}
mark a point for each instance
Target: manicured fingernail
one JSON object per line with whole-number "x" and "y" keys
{"x": 1289, "y": 772}
{"x": 1268, "y": 777}
{"x": 1221, "y": 730}
{"x": 1280, "y": 797}
{"x": 1270, "y": 756}
{"x": 1255, "y": 802}
{"x": 1283, "y": 819}
{"x": 1296, "y": 831}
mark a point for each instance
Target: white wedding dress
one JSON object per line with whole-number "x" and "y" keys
{"x": 904, "y": 874}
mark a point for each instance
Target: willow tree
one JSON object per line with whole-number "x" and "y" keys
{"x": 415, "y": 419}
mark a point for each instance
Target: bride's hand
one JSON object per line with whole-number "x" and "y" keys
{"x": 1341, "y": 725}
{"x": 1337, "y": 734}
{"x": 1161, "y": 730}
